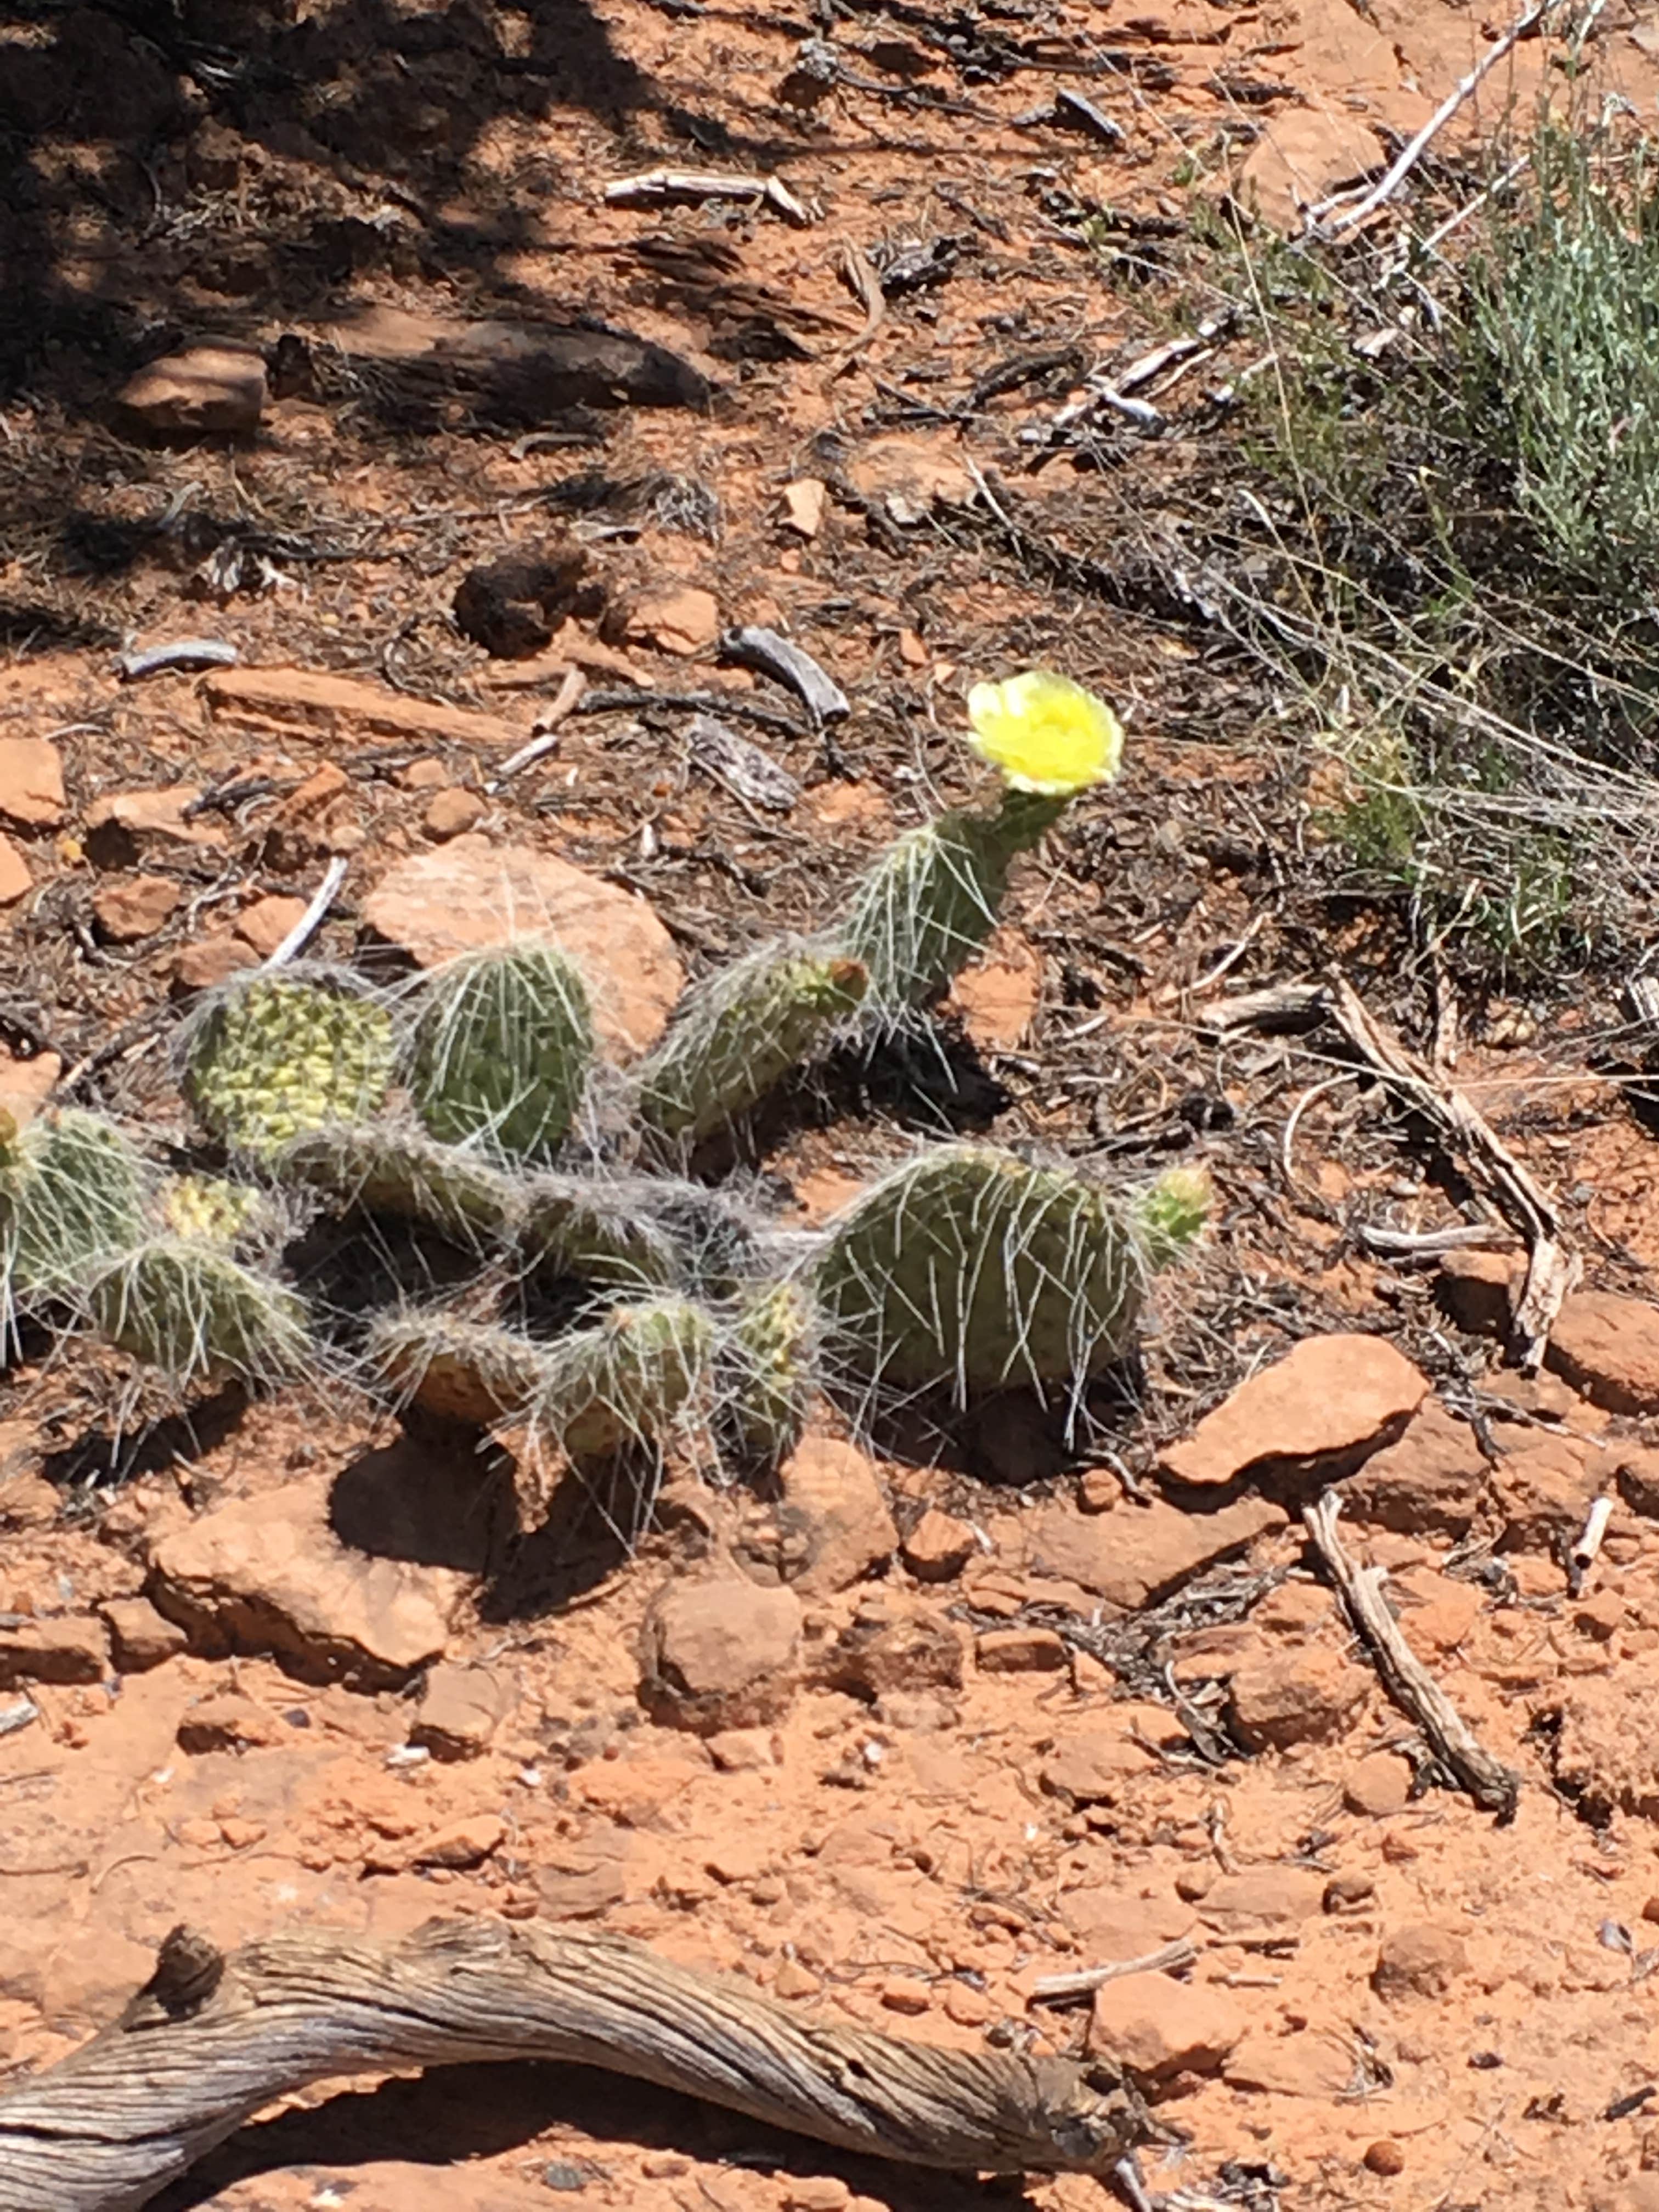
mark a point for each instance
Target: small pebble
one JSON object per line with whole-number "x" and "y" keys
{"x": 1385, "y": 2157}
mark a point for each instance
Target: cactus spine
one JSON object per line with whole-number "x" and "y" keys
{"x": 278, "y": 1056}
{"x": 736, "y": 1036}
{"x": 503, "y": 1043}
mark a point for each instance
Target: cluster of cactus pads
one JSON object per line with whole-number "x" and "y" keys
{"x": 613, "y": 1304}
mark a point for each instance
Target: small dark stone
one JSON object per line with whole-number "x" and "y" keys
{"x": 563, "y": 2173}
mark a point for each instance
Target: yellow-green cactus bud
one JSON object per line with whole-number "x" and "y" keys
{"x": 1171, "y": 1214}
{"x": 209, "y": 1207}
{"x": 767, "y": 1372}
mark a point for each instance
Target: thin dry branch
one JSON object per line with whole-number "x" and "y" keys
{"x": 1550, "y": 1269}
{"x": 211, "y": 2039}
{"x": 1061, "y": 1988}
{"x": 1412, "y": 153}
{"x": 1407, "y": 1680}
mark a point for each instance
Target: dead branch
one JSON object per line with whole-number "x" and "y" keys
{"x": 1061, "y": 1988}
{"x": 211, "y": 2039}
{"x": 1405, "y": 1677}
{"x": 1412, "y": 153}
{"x": 1550, "y": 1269}
{"x": 659, "y": 187}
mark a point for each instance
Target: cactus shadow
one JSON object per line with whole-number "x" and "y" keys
{"x": 106, "y": 1458}
{"x": 591, "y": 1528}
{"x": 1008, "y": 1438}
{"x": 931, "y": 1081}
{"x": 437, "y": 1496}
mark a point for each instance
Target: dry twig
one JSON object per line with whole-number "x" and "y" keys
{"x": 1407, "y": 1680}
{"x": 1412, "y": 152}
{"x": 558, "y": 709}
{"x": 1551, "y": 1271}
{"x": 1060, "y": 1989}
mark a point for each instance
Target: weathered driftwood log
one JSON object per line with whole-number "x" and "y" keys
{"x": 211, "y": 2039}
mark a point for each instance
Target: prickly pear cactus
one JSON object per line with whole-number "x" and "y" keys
{"x": 273, "y": 1057}
{"x": 186, "y": 1308}
{"x": 465, "y": 1371}
{"x": 72, "y": 1188}
{"x": 931, "y": 900}
{"x": 388, "y": 1168}
{"x": 627, "y": 1380}
{"x": 737, "y": 1035}
{"x": 767, "y": 1372}
{"x": 503, "y": 1044}
{"x": 969, "y": 1269}
{"x": 600, "y": 1232}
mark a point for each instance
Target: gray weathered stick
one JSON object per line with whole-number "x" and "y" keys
{"x": 212, "y": 2038}
{"x": 1551, "y": 1271}
{"x": 1405, "y": 1677}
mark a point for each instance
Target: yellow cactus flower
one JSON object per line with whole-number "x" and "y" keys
{"x": 1046, "y": 734}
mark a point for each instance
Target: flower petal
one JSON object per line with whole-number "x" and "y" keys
{"x": 1045, "y": 733}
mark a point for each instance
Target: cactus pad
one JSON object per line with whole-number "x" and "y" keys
{"x": 276, "y": 1057}
{"x": 503, "y": 1044}
{"x": 466, "y": 1371}
{"x": 626, "y": 1382}
{"x": 599, "y": 1232}
{"x": 404, "y": 1172}
{"x": 968, "y": 1269}
{"x": 185, "y": 1307}
{"x": 767, "y": 1372}
{"x": 72, "y": 1188}
{"x": 931, "y": 900}
{"x": 739, "y": 1033}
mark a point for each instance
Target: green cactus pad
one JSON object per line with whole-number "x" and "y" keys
{"x": 600, "y": 1232}
{"x": 736, "y": 1036}
{"x": 404, "y": 1173}
{"x": 931, "y": 900}
{"x": 970, "y": 1271}
{"x": 466, "y": 1371}
{"x": 627, "y": 1380}
{"x": 72, "y": 1188}
{"x": 276, "y": 1057}
{"x": 502, "y": 1046}
{"x": 185, "y": 1307}
{"x": 767, "y": 1372}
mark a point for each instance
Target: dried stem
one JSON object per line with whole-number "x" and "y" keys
{"x": 1405, "y": 1677}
